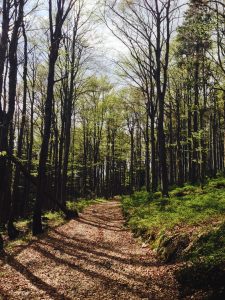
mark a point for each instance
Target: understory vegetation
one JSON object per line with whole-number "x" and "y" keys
{"x": 189, "y": 228}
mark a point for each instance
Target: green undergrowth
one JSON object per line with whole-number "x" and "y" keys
{"x": 50, "y": 220}
{"x": 189, "y": 226}
{"x": 148, "y": 213}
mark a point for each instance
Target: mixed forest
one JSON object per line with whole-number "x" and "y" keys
{"x": 69, "y": 130}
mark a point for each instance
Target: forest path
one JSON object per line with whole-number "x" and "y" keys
{"x": 93, "y": 257}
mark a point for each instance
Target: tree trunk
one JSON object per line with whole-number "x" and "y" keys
{"x": 147, "y": 154}
{"x": 179, "y": 149}
{"x": 17, "y": 207}
{"x": 153, "y": 156}
{"x": 195, "y": 121}
{"x": 37, "y": 225}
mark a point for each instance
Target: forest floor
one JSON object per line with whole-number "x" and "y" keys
{"x": 93, "y": 257}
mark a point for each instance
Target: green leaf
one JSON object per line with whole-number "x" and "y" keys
{"x": 3, "y": 153}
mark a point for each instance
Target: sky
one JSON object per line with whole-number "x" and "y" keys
{"x": 111, "y": 47}
{"x": 106, "y": 46}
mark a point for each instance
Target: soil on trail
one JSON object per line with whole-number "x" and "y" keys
{"x": 93, "y": 257}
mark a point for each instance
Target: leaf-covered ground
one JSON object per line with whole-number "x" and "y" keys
{"x": 94, "y": 257}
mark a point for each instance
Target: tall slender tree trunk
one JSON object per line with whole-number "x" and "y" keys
{"x": 6, "y": 118}
{"x": 171, "y": 152}
{"x": 18, "y": 204}
{"x": 153, "y": 156}
{"x": 161, "y": 92}
{"x": 37, "y": 224}
{"x": 131, "y": 160}
{"x": 147, "y": 153}
{"x": 179, "y": 149}
{"x": 195, "y": 120}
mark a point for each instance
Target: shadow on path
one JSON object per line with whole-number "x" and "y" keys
{"x": 93, "y": 257}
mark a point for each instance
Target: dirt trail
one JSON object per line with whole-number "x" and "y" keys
{"x": 94, "y": 257}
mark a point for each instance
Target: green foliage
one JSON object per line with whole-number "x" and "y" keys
{"x": 3, "y": 153}
{"x": 140, "y": 198}
{"x": 190, "y": 205}
{"x": 157, "y": 195}
{"x": 217, "y": 184}
{"x": 53, "y": 218}
{"x": 209, "y": 247}
{"x": 186, "y": 190}
{"x": 195, "y": 31}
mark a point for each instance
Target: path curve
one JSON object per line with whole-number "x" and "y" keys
{"x": 94, "y": 257}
